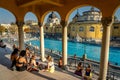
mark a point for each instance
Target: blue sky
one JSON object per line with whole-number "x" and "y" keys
{"x": 8, "y": 17}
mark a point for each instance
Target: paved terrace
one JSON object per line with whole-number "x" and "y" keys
{"x": 7, "y": 74}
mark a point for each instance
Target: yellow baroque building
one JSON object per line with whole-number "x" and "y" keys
{"x": 87, "y": 26}
{"x": 115, "y": 30}
{"x": 86, "y": 30}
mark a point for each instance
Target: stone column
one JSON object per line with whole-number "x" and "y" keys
{"x": 20, "y": 34}
{"x": 64, "y": 42}
{"x": 42, "y": 50}
{"x": 107, "y": 23}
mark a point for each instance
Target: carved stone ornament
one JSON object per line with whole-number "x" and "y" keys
{"x": 20, "y": 23}
{"x": 64, "y": 23}
{"x": 40, "y": 24}
{"x": 107, "y": 21}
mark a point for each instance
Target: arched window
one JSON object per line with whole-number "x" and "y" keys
{"x": 91, "y": 29}
{"x": 116, "y": 27}
{"x": 81, "y": 29}
{"x": 91, "y": 18}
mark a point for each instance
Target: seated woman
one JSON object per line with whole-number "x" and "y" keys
{"x": 13, "y": 58}
{"x": 79, "y": 69}
{"x": 32, "y": 65}
{"x": 21, "y": 63}
{"x": 88, "y": 73}
{"x": 60, "y": 63}
{"x": 14, "y": 46}
{"x": 2, "y": 44}
{"x": 50, "y": 65}
{"x": 28, "y": 55}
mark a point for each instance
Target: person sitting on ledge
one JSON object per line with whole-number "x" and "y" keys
{"x": 50, "y": 65}
{"x": 60, "y": 65}
{"x": 79, "y": 69}
{"x": 21, "y": 63}
{"x": 2, "y": 44}
{"x": 88, "y": 73}
{"x": 33, "y": 66}
{"x": 13, "y": 58}
{"x": 14, "y": 46}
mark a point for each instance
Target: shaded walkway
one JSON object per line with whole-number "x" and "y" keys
{"x": 7, "y": 74}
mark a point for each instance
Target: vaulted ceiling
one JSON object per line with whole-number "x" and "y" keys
{"x": 64, "y": 7}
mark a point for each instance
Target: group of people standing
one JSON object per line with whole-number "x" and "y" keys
{"x": 24, "y": 60}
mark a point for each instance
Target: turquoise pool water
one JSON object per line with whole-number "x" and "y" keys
{"x": 92, "y": 51}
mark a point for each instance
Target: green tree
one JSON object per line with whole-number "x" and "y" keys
{"x": 2, "y": 29}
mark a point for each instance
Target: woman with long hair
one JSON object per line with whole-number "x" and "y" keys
{"x": 21, "y": 63}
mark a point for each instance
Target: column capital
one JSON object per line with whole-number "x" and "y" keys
{"x": 20, "y": 23}
{"x": 107, "y": 21}
{"x": 40, "y": 24}
{"x": 64, "y": 23}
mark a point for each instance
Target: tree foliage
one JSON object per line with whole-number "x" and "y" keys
{"x": 2, "y": 29}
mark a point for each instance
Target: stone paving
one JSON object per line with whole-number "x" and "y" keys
{"x": 7, "y": 74}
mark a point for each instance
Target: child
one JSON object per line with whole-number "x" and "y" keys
{"x": 32, "y": 65}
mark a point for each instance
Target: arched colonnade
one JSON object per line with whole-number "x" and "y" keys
{"x": 64, "y": 7}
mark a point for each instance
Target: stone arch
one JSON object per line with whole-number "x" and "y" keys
{"x": 31, "y": 27}
{"x": 74, "y": 8}
{"x": 45, "y": 14}
{"x": 9, "y": 12}
{"x": 115, "y": 10}
{"x": 32, "y": 14}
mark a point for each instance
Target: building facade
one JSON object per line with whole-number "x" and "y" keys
{"x": 52, "y": 28}
{"x": 115, "y": 31}
{"x": 87, "y": 26}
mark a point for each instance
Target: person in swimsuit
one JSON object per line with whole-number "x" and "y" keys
{"x": 88, "y": 73}
{"x": 13, "y": 58}
{"x": 60, "y": 64}
{"x": 32, "y": 65}
{"x": 79, "y": 69}
{"x": 21, "y": 63}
